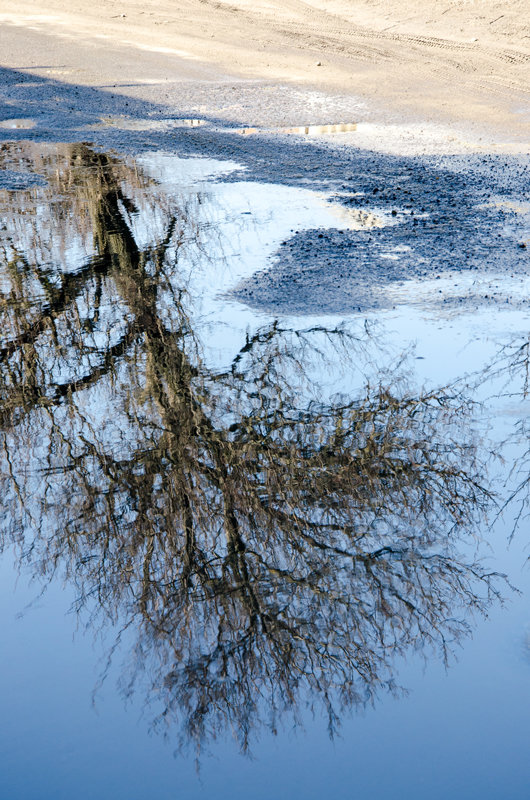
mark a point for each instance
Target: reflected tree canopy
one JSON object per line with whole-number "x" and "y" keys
{"x": 271, "y": 550}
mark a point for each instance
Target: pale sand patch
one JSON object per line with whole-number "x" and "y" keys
{"x": 439, "y": 60}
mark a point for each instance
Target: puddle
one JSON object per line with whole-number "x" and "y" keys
{"x": 133, "y": 124}
{"x": 456, "y": 293}
{"x": 322, "y": 130}
{"x": 14, "y": 124}
{"x": 57, "y": 71}
{"x": 514, "y": 206}
{"x": 305, "y": 130}
{"x": 234, "y": 499}
{"x": 357, "y": 219}
{"x": 241, "y": 224}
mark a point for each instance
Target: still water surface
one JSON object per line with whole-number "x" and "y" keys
{"x": 264, "y": 529}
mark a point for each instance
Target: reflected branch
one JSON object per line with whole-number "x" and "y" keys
{"x": 272, "y": 550}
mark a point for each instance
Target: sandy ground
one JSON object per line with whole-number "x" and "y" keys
{"x": 453, "y": 62}
{"x": 439, "y": 135}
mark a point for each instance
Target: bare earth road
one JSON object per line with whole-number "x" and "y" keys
{"x": 450, "y": 61}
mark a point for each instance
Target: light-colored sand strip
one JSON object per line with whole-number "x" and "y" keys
{"x": 439, "y": 59}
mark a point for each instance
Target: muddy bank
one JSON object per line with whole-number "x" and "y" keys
{"x": 462, "y": 220}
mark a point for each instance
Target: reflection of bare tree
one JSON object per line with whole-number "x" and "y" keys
{"x": 509, "y": 374}
{"x": 269, "y": 550}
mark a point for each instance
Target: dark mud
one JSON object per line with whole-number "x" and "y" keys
{"x": 340, "y": 272}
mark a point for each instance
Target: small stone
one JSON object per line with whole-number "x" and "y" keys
{"x": 319, "y": 63}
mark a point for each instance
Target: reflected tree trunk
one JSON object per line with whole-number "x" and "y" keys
{"x": 270, "y": 550}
